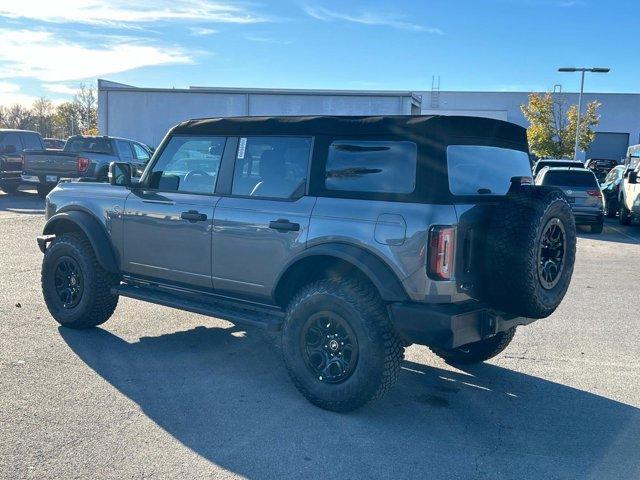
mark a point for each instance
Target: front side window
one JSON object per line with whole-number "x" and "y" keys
{"x": 271, "y": 167}
{"x": 124, "y": 149}
{"x": 188, "y": 164}
{"x": 478, "y": 169}
{"x": 371, "y": 166}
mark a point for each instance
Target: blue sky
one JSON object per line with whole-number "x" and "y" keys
{"x": 506, "y": 45}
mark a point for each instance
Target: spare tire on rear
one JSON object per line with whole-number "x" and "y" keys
{"x": 530, "y": 251}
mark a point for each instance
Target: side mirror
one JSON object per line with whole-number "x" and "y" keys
{"x": 633, "y": 177}
{"x": 120, "y": 174}
{"x": 9, "y": 149}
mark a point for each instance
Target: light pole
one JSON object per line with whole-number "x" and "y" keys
{"x": 582, "y": 70}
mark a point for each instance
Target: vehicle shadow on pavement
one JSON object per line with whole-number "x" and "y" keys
{"x": 613, "y": 232}
{"x": 225, "y": 394}
{"x": 22, "y": 203}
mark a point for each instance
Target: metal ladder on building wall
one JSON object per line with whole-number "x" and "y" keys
{"x": 435, "y": 91}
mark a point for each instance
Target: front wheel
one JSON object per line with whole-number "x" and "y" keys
{"x": 478, "y": 351}
{"x": 339, "y": 345}
{"x": 76, "y": 289}
{"x": 625, "y": 214}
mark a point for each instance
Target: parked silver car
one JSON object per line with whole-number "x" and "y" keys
{"x": 580, "y": 185}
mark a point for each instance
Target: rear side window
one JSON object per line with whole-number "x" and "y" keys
{"x": 91, "y": 144}
{"x": 32, "y": 141}
{"x": 570, "y": 178}
{"x": 371, "y": 166}
{"x": 271, "y": 167}
{"x": 475, "y": 169}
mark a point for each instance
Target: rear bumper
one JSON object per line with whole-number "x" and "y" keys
{"x": 588, "y": 217}
{"x": 9, "y": 176}
{"x": 450, "y": 325}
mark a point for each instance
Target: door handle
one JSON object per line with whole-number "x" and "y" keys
{"x": 193, "y": 216}
{"x": 284, "y": 225}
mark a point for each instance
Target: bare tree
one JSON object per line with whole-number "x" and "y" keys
{"x": 42, "y": 111}
{"x": 3, "y": 117}
{"x": 20, "y": 117}
{"x": 87, "y": 105}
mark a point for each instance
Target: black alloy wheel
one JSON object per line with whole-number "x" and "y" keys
{"x": 330, "y": 347}
{"x": 551, "y": 252}
{"x": 69, "y": 282}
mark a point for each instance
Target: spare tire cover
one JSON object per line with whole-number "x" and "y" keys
{"x": 530, "y": 252}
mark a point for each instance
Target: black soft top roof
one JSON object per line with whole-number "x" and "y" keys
{"x": 396, "y": 125}
{"x": 432, "y": 135}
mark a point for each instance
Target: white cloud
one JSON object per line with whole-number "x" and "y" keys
{"x": 60, "y": 88}
{"x": 126, "y": 13}
{"x": 202, "y": 31}
{"x": 45, "y": 56}
{"x": 369, "y": 18}
{"x": 10, "y": 94}
{"x": 261, "y": 39}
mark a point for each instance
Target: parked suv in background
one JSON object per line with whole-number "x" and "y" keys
{"x": 54, "y": 143}
{"x": 350, "y": 236}
{"x": 611, "y": 190}
{"x": 13, "y": 143}
{"x": 582, "y": 192}
{"x": 85, "y": 157}
{"x": 555, "y": 163}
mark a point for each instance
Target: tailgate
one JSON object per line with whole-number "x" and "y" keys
{"x": 51, "y": 163}
{"x": 471, "y": 234}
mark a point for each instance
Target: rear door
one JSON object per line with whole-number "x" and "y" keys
{"x": 262, "y": 220}
{"x": 168, "y": 221}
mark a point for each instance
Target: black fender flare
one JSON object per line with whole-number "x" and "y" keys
{"x": 93, "y": 230}
{"x": 374, "y": 268}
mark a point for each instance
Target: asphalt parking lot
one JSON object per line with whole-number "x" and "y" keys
{"x": 159, "y": 393}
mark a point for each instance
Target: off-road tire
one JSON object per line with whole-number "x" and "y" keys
{"x": 380, "y": 351}
{"x": 97, "y": 303}
{"x": 625, "y": 214}
{"x": 597, "y": 228}
{"x": 43, "y": 190}
{"x": 9, "y": 187}
{"x": 512, "y": 282}
{"x": 476, "y": 352}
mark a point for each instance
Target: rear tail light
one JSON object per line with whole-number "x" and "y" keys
{"x": 594, "y": 193}
{"x": 83, "y": 164}
{"x": 441, "y": 252}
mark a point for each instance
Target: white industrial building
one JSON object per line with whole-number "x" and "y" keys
{"x": 145, "y": 114}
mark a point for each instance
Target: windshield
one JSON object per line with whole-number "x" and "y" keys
{"x": 89, "y": 144}
{"x": 475, "y": 169}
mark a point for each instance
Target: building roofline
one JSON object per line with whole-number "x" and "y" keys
{"x": 107, "y": 85}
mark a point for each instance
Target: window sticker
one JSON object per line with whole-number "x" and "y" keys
{"x": 242, "y": 147}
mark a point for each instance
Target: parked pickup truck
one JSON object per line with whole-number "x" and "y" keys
{"x": 13, "y": 143}
{"x": 86, "y": 157}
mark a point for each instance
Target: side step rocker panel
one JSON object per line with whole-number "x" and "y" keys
{"x": 244, "y": 315}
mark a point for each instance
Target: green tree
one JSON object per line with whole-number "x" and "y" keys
{"x": 552, "y": 129}
{"x": 65, "y": 120}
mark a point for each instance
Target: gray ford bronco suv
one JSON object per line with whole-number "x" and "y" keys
{"x": 349, "y": 237}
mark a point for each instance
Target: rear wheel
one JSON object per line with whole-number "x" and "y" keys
{"x": 43, "y": 190}
{"x": 610, "y": 208}
{"x": 339, "y": 345}
{"x": 597, "y": 228}
{"x": 76, "y": 289}
{"x": 9, "y": 187}
{"x": 478, "y": 351}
